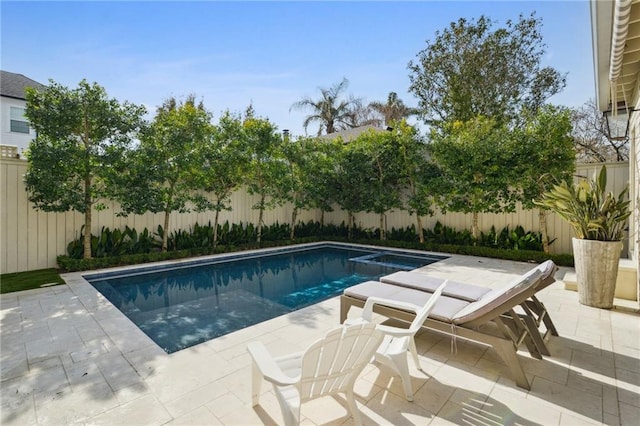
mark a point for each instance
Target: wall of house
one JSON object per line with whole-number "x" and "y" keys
{"x": 31, "y": 239}
{"x": 20, "y": 140}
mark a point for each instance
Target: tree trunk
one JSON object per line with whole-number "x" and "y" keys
{"x": 260, "y": 219}
{"x": 383, "y": 234}
{"x": 474, "y": 226}
{"x": 350, "y": 226}
{"x": 165, "y": 234}
{"x": 420, "y": 230}
{"x": 294, "y": 216}
{"x": 87, "y": 219}
{"x": 321, "y": 219}
{"x": 542, "y": 216}
{"x": 87, "y": 233}
{"x": 215, "y": 229}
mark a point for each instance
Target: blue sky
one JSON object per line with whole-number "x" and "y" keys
{"x": 271, "y": 54}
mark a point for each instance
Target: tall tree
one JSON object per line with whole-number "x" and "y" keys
{"x": 472, "y": 69}
{"x": 393, "y": 110}
{"x": 547, "y": 157}
{"x": 478, "y": 168}
{"x": 418, "y": 173}
{"x": 161, "y": 176}
{"x": 81, "y": 136}
{"x": 297, "y": 182}
{"x": 223, "y": 164}
{"x": 382, "y": 159}
{"x": 319, "y": 171}
{"x": 333, "y": 111}
{"x": 590, "y": 136}
{"x": 351, "y": 174}
{"x": 266, "y": 167}
{"x": 363, "y": 115}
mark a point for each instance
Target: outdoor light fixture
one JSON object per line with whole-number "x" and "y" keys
{"x": 617, "y": 122}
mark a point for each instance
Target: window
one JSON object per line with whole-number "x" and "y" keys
{"x": 19, "y": 123}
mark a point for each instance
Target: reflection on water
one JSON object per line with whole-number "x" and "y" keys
{"x": 179, "y": 308}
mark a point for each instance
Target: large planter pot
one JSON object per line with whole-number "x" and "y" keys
{"x": 596, "y": 264}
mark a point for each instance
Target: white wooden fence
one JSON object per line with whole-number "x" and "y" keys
{"x": 31, "y": 239}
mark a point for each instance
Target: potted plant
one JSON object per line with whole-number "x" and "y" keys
{"x": 598, "y": 219}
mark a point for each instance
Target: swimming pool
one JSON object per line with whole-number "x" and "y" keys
{"x": 184, "y": 304}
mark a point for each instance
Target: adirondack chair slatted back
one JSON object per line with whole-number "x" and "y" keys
{"x": 332, "y": 364}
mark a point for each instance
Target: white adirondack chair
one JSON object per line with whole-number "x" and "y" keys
{"x": 393, "y": 350}
{"x": 329, "y": 366}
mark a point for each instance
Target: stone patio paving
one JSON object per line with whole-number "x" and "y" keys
{"x": 69, "y": 357}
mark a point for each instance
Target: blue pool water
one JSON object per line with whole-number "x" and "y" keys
{"x": 184, "y": 305}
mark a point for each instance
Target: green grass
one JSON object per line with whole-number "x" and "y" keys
{"x": 28, "y": 280}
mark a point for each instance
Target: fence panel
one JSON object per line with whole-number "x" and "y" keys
{"x": 31, "y": 239}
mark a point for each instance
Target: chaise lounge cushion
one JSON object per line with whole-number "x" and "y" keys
{"x": 424, "y": 282}
{"x": 445, "y": 309}
{"x": 498, "y": 297}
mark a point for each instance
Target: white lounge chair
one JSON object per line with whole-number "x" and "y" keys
{"x": 532, "y": 311}
{"x": 490, "y": 320}
{"x": 393, "y": 350}
{"x": 329, "y": 366}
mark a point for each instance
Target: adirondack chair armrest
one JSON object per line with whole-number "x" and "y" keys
{"x": 267, "y": 365}
{"x": 395, "y": 331}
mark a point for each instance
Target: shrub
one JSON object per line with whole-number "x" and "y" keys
{"x": 116, "y": 248}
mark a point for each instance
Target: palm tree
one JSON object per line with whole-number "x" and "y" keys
{"x": 393, "y": 110}
{"x": 330, "y": 111}
{"x": 363, "y": 115}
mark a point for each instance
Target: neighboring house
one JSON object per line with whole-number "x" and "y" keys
{"x": 16, "y": 131}
{"x": 350, "y": 134}
{"x": 615, "y": 33}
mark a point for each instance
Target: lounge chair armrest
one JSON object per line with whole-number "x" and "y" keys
{"x": 267, "y": 365}
{"x": 367, "y": 312}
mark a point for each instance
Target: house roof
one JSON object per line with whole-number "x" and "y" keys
{"x": 350, "y": 134}
{"x": 12, "y": 85}
{"x": 615, "y": 29}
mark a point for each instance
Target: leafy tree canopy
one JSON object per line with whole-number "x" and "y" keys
{"x": 267, "y": 169}
{"x": 81, "y": 137}
{"x": 546, "y": 156}
{"x": 545, "y": 149}
{"x": 223, "y": 163}
{"x": 161, "y": 172}
{"x": 418, "y": 172}
{"x": 471, "y": 69}
{"x": 478, "y": 166}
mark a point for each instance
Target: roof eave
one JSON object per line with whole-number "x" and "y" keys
{"x": 601, "y": 27}
{"x": 13, "y": 97}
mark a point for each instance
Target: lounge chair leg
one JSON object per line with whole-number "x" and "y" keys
{"x": 538, "y": 307}
{"x": 508, "y": 354}
{"x": 535, "y": 335}
{"x": 344, "y": 309}
{"x": 514, "y": 328}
